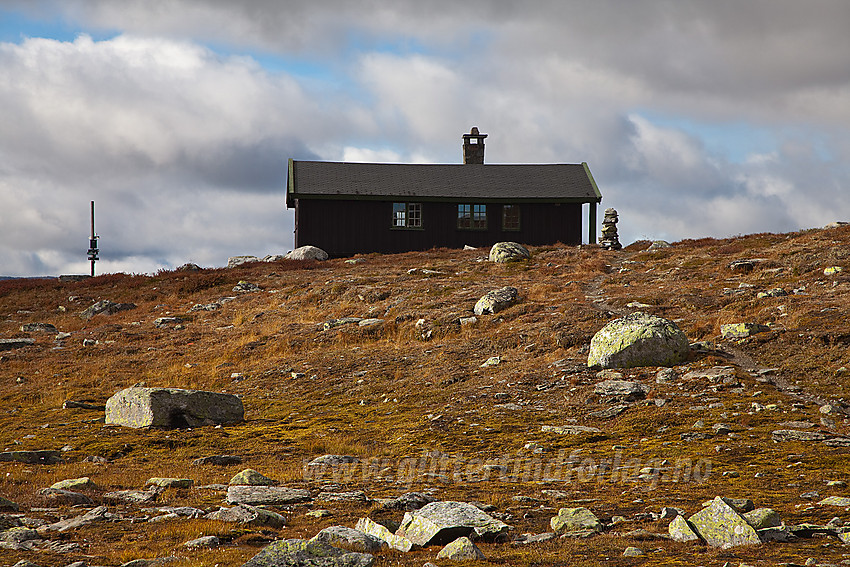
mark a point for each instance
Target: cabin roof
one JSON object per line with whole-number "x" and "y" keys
{"x": 556, "y": 183}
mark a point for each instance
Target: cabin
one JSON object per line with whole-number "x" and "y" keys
{"x": 350, "y": 208}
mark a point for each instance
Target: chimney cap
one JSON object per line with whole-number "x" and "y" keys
{"x": 474, "y": 134}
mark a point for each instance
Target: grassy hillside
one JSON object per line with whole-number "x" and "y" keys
{"x": 412, "y": 397}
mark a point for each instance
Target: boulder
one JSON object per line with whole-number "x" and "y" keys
{"x": 496, "y": 300}
{"x": 439, "y": 523}
{"x": 187, "y": 267}
{"x": 797, "y": 435}
{"x": 638, "y": 339}
{"x": 841, "y": 501}
{"x": 246, "y": 287}
{"x": 172, "y": 408}
{"x": 266, "y": 495}
{"x": 7, "y": 505}
{"x": 209, "y": 541}
{"x": 762, "y": 518}
{"x": 408, "y": 502}
{"x": 252, "y": 478}
{"x": 680, "y": 530}
{"x": 218, "y": 460}
{"x": 349, "y": 538}
{"x": 59, "y": 495}
{"x": 721, "y": 526}
{"x": 299, "y": 552}
{"x": 12, "y": 344}
{"x": 234, "y": 261}
{"x": 572, "y": 430}
{"x": 274, "y": 257}
{"x": 248, "y": 515}
{"x": 620, "y": 388}
{"x": 307, "y": 253}
{"x": 372, "y": 528}
{"x": 31, "y": 457}
{"x": 98, "y": 514}
{"x": 332, "y": 460}
{"x": 461, "y": 549}
{"x": 575, "y": 521}
{"x": 38, "y": 328}
{"x": 503, "y": 252}
{"x": 106, "y": 307}
{"x": 170, "y": 482}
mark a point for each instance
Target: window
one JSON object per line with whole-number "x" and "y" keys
{"x": 407, "y": 215}
{"x": 510, "y": 217}
{"x": 472, "y": 217}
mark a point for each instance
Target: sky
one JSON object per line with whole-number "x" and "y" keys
{"x": 177, "y": 117}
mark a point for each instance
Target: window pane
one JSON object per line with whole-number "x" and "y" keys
{"x": 414, "y": 215}
{"x": 464, "y": 216}
{"x": 510, "y": 217}
{"x": 399, "y": 214}
{"x": 479, "y": 216}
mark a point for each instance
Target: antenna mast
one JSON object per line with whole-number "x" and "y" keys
{"x": 93, "y": 250}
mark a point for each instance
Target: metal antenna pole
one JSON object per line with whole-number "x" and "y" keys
{"x": 93, "y": 250}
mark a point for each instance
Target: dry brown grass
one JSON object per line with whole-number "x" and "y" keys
{"x": 388, "y": 394}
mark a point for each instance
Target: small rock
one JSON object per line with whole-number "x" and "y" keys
{"x": 266, "y": 495}
{"x": 38, "y": 328}
{"x": 234, "y": 261}
{"x": 348, "y": 538}
{"x": 249, "y": 515}
{"x": 170, "y": 482}
{"x": 82, "y": 483}
{"x": 218, "y": 460}
{"x": 68, "y": 497}
{"x": 835, "y": 501}
{"x": 246, "y": 287}
{"x": 632, "y": 552}
{"x": 742, "y": 330}
{"x": 106, "y": 307}
{"x": 162, "y": 322}
{"x": 297, "y": 552}
{"x": 496, "y": 300}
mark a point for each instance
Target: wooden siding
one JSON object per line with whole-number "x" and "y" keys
{"x": 346, "y": 227}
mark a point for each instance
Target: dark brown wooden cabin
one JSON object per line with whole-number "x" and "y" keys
{"x": 349, "y": 208}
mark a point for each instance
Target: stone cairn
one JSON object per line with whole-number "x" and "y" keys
{"x": 610, "y": 240}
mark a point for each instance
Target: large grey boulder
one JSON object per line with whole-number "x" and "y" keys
{"x": 680, "y": 530}
{"x": 349, "y": 538}
{"x": 234, "y": 261}
{"x": 266, "y": 495}
{"x": 440, "y": 523}
{"x": 299, "y": 552}
{"x": 172, "y": 408}
{"x": 721, "y": 526}
{"x": 638, "y": 339}
{"x": 503, "y": 252}
{"x": 496, "y": 300}
{"x": 307, "y": 253}
{"x": 248, "y": 515}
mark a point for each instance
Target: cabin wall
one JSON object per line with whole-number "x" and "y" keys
{"x": 347, "y": 227}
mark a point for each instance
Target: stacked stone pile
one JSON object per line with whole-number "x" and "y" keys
{"x": 610, "y": 240}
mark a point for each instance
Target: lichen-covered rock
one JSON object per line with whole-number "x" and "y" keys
{"x": 349, "y": 538}
{"x": 307, "y": 253}
{"x": 741, "y": 330}
{"x": 680, "y": 530}
{"x": 503, "y": 252}
{"x": 68, "y": 497}
{"x": 620, "y": 388}
{"x": 573, "y": 430}
{"x": 721, "y": 526}
{"x": 762, "y": 518}
{"x": 248, "y": 515}
{"x": 369, "y": 526}
{"x": 461, "y": 549}
{"x": 299, "y": 552}
{"x": 251, "y": 477}
{"x": 81, "y": 483}
{"x": 266, "y": 495}
{"x": 496, "y": 300}
{"x": 439, "y": 523}
{"x": 575, "y": 521}
{"x": 842, "y": 501}
{"x": 38, "y": 328}
{"x": 638, "y": 339}
{"x": 172, "y": 408}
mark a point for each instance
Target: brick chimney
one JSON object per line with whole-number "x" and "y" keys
{"x": 473, "y": 147}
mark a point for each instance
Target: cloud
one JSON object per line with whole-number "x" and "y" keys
{"x": 176, "y": 130}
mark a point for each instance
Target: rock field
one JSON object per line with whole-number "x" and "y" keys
{"x": 436, "y": 407}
